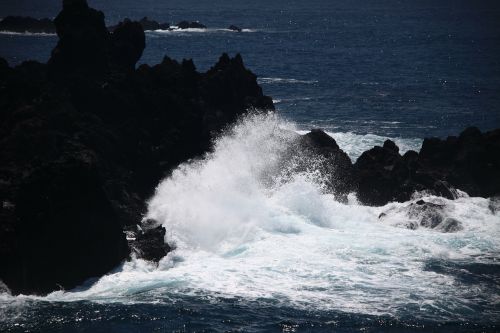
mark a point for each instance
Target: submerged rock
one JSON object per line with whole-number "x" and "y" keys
{"x": 146, "y": 25}
{"x": 494, "y": 204}
{"x": 423, "y": 214}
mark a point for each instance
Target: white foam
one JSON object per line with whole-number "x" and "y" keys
{"x": 243, "y": 228}
{"x": 284, "y": 80}
{"x": 175, "y": 30}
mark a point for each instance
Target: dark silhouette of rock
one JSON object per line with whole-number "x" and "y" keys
{"x": 146, "y": 24}
{"x": 234, "y": 28}
{"x": 190, "y": 25}
{"x": 27, "y": 24}
{"x": 333, "y": 162}
{"x": 384, "y": 176}
{"x": 149, "y": 241}
{"x": 85, "y": 139}
{"x": 127, "y": 44}
{"x": 83, "y": 44}
{"x": 469, "y": 162}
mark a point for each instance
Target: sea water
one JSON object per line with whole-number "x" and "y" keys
{"x": 262, "y": 249}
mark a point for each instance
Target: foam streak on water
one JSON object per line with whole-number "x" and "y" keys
{"x": 243, "y": 229}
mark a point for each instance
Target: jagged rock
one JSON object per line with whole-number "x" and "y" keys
{"x": 83, "y": 44}
{"x": 190, "y": 25}
{"x": 127, "y": 44}
{"x": 230, "y": 89}
{"x": 85, "y": 139}
{"x": 148, "y": 24}
{"x": 149, "y": 241}
{"x": 234, "y": 28}
{"x": 27, "y": 24}
{"x": 333, "y": 162}
{"x": 470, "y": 162}
{"x": 381, "y": 174}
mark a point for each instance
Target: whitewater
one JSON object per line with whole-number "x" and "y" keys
{"x": 246, "y": 228}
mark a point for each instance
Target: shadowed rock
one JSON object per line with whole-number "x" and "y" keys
{"x": 85, "y": 139}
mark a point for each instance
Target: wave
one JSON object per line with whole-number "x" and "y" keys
{"x": 245, "y": 228}
{"x": 197, "y": 30}
{"x": 270, "y": 80}
{"x": 26, "y": 33}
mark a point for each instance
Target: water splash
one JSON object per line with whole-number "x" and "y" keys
{"x": 244, "y": 229}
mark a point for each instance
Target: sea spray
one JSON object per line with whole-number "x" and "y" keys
{"x": 246, "y": 230}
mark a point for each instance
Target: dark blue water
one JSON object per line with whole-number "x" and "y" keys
{"x": 407, "y": 69}
{"x": 394, "y": 68}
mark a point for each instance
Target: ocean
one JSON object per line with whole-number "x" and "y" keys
{"x": 258, "y": 250}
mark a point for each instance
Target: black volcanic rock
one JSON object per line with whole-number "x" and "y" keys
{"x": 234, "y": 28}
{"x": 333, "y": 162}
{"x": 27, "y": 24}
{"x": 469, "y": 162}
{"x": 384, "y": 176}
{"x": 85, "y": 139}
{"x": 83, "y": 42}
{"x": 149, "y": 241}
{"x": 146, "y": 24}
{"x": 127, "y": 44}
{"x": 190, "y": 25}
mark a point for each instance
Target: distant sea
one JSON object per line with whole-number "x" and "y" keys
{"x": 287, "y": 257}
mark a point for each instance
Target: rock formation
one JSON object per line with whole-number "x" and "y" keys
{"x": 85, "y": 139}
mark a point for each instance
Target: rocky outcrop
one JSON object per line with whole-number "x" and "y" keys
{"x": 327, "y": 157}
{"x": 234, "y": 28}
{"x": 146, "y": 24}
{"x": 190, "y": 25}
{"x": 148, "y": 241}
{"x": 22, "y": 24}
{"x": 470, "y": 163}
{"x": 85, "y": 139}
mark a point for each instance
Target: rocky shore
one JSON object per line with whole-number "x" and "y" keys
{"x": 25, "y": 24}
{"x": 85, "y": 139}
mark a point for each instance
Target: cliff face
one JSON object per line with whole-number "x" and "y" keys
{"x": 85, "y": 139}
